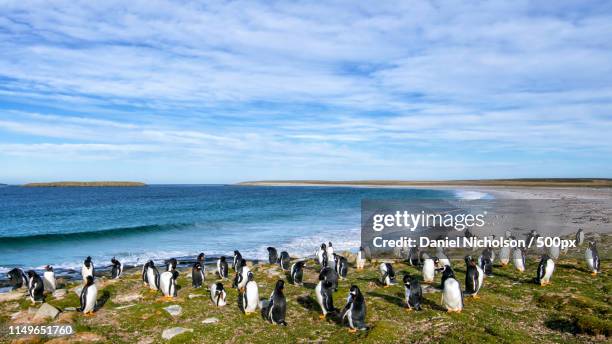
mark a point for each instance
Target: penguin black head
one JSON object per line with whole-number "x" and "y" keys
{"x": 222, "y": 258}
{"x": 87, "y": 261}
{"x": 201, "y": 257}
{"x": 361, "y": 248}
{"x": 329, "y": 244}
{"x": 406, "y": 280}
{"x": 49, "y": 268}
{"x": 31, "y": 273}
{"x": 280, "y": 285}
{"x": 270, "y": 249}
{"x": 114, "y": 261}
{"x": 545, "y": 257}
{"x": 354, "y": 291}
{"x": 250, "y": 276}
{"x": 299, "y": 264}
{"x": 236, "y": 253}
{"x": 90, "y": 280}
{"x": 323, "y": 247}
{"x": 151, "y": 264}
{"x": 436, "y": 260}
{"x": 175, "y": 274}
{"x": 467, "y": 260}
{"x": 592, "y": 244}
{"x": 219, "y": 286}
{"x": 243, "y": 262}
{"x": 448, "y": 272}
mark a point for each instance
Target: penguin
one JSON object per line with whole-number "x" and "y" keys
{"x": 171, "y": 264}
{"x": 272, "y": 255}
{"x": 361, "y": 259}
{"x": 414, "y": 256}
{"x": 250, "y": 297}
{"x": 322, "y": 255}
{"x": 117, "y": 268}
{"x": 237, "y": 259}
{"x": 283, "y": 261}
{"x": 18, "y": 278}
{"x": 324, "y": 294}
{"x": 354, "y": 312}
{"x": 330, "y": 251}
{"x": 429, "y": 269}
{"x": 504, "y": 255}
{"x": 452, "y": 296}
{"x": 87, "y": 269}
{"x": 474, "y": 277}
{"x": 201, "y": 258}
{"x": 197, "y": 275}
{"x": 329, "y": 274}
{"x": 580, "y": 237}
{"x": 218, "y": 294}
{"x": 387, "y": 274}
{"x": 36, "y": 287}
{"x": 518, "y": 259}
{"x": 145, "y": 268}
{"x": 89, "y": 295}
{"x": 545, "y": 270}
{"x": 49, "y": 279}
{"x": 443, "y": 259}
{"x": 413, "y": 293}
{"x": 553, "y": 252}
{"x": 222, "y": 268}
{"x": 152, "y": 276}
{"x": 592, "y": 258}
{"x": 341, "y": 266}
{"x": 167, "y": 283}
{"x": 241, "y": 275}
{"x": 485, "y": 261}
{"x": 276, "y": 308}
{"x": 297, "y": 272}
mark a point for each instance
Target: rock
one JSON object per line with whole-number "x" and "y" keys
{"x": 193, "y": 296}
{"x": 210, "y": 321}
{"x": 174, "y": 331}
{"x": 127, "y": 298}
{"x": 70, "y": 309}
{"x": 46, "y": 311}
{"x": 59, "y": 293}
{"x": 126, "y": 306}
{"x": 11, "y": 296}
{"x": 174, "y": 310}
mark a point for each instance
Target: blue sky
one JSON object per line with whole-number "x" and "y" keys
{"x": 220, "y": 92}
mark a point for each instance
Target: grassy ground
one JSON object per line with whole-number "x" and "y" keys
{"x": 575, "y": 308}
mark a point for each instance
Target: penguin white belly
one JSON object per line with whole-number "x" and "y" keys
{"x": 49, "y": 281}
{"x": 428, "y": 270}
{"x": 517, "y": 260}
{"x": 550, "y": 267}
{"x": 320, "y": 256}
{"x": 151, "y": 277}
{"x": 85, "y": 271}
{"x": 165, "y": 283}
{"x": 480, "y": 278}
{"x": 90, "y": 298}
{"x": 504, "y": 255}
{"x": 349, "y": 316}
{"x": 360, "y": 260}
{"x": 588, "y": 255}
{"x": 451, "y": 295}
{"x": 244, "y": 273}
{"x": 407, "y": 295}
{"x": 252, "y": 297}
{"x": 320, "y": 296}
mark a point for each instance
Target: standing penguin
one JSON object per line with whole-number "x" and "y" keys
{"x": 485, "y": 261}
{"x": 222, "y": 268}
{"x": 49, "y": 279}
{"x": 324, "y": 294}
{"x": 329, "y": 274}
{"x": 341, "y": 266}
{"x": 452, "y": 297}
{"x": 429, "y": 269}
{"x": 145, "y": 269}
{"x": 218, "y": 294}
{"x": 117, "y": 268}
{"x": 330, "y": 252}
{"x": 152, "y": 276}
{"x": 272, "y": 255}
{"x": 89, "y": 295}
{"x": 504, "y": 255}
{"x": 240, "y": 279}
{"x": 387, "y": 274}
{"x": 474, "y": 277}
{"x": 237, "y": 259}
{"x": 580, "y": 237}
{"x": 36, "y": 287}
{"x": 297, "y": 272}
{"x": 171, "y": 264}
{"x": 355, "y": 310}
{"x": 545, "y": 270}
{"x": 361, "y": 259}
{"x": 18, "y": 278}
{"x": 167, "y": 283}
{"x": 322, "y": 255}
{"x": 197, "y": 275}
{"x": 87, "y": 269}
{"x": 276, "y": 308}
{"x": 250, "y": 297}
{"x": 283, "y": 261}
{"x": 553, "y": 252}
{"x": 592, "y": 258}
{"x": 518, "y": 258}
{"x": 413, "y": 292}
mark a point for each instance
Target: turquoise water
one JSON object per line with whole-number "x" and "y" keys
{"x": 61, "y": 226}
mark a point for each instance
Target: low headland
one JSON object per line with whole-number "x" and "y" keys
{"x": 85, "y": 184}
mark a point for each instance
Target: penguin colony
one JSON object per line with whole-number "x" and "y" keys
{"x": 332, "y": 268}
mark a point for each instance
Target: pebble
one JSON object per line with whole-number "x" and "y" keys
{"x": 174, "y": 310}
{"x": 210, "y": 321}
{"x": 174, "y": 331}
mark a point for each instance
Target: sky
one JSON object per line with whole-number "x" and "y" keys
{"x": 229, "y": 91}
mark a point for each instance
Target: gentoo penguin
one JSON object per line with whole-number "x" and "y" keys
{"x": 341, "y": 266}
{"x": 89, "y": 295}
{"x": 218, "y": 294}
{"x": 171, "y": 264}
{"x": 592, "y": 258}
{"x": 241, "y": 275}
{"x": 553, "y": 252}
{"x": 580, "y": 237}
{"x": 117, "y": 268}
{"x": 145, "y": 269}
{"x": 330, "y": 251}
{"x": 361, "y": 258}
{"x": 152, "y": 276}
{"x": 545, "y": 270}
{"x": 452, "y": 297}
{"x": 355, "y": 310}
{"x": 443, "y": 259}
{"x": 276, "y": 308}
{"x": 87, "y": 269}
{"x": 272, "y": 255}
{"x": 222, "y": 268}
{"x": 429, "y": 269}
{"x": 504, "y": 255}
{"x": 322, "y": 255}
{"x": 486, "y": 262}
{"x": 297, "y": 272}
{"x": 49, "y": 279}
{"x": 387, "y": 275}
{"x": 197, "y": 275}
{"x": 18, "y": 278}
{"x": 36, "y": 287}
{"x": 167, "y": 283}
{"x": 413, "y": 292}
{"x": 474, "y": 277}
{"x": 237, "y": 259}
{"x": 518, "y": 259}
{"x": 324, "y": 293}
{"x": 283, "y": 261}
{"x": 329, "y": 274}
{"x": 250, "y": 297}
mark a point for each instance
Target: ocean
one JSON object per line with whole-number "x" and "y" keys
{"x": 62, "y": 226}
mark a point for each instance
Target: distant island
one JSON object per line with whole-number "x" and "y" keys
{"x": 527, "y": 182}
{"x": 81, "y": 184}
